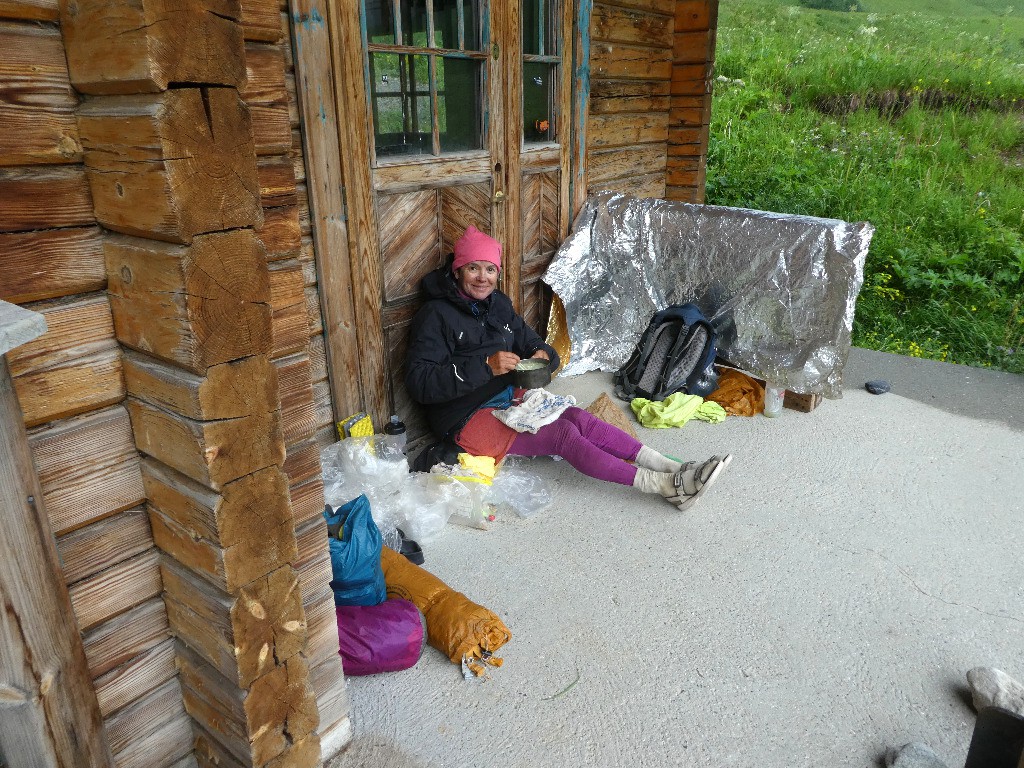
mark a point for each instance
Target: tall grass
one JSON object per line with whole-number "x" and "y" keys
{"x": 911, "y": 121}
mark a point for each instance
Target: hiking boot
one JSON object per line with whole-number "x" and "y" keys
{"x": 693, "y": 479}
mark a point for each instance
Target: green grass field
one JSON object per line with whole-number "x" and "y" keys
{"x": 909, "y": 115}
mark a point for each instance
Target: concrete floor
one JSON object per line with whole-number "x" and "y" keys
{"x": 820, "y": 604}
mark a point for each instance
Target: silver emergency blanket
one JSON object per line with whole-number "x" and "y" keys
{"x": 779, "y": 289}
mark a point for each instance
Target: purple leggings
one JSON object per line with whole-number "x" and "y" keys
{"x": 592, "y": 446}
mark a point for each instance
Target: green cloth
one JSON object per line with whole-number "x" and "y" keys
{"x": 675, "y": 410}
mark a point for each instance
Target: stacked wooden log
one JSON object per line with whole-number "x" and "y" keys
{"x": 651, "y": 65}
{"x": 71, "y": 390}
{"x": 171, "y": 148}
{"x": 693, "y": 57}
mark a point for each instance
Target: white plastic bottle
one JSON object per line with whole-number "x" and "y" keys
{"x": 773, "y": 397}
{"x": 395, "y": 430}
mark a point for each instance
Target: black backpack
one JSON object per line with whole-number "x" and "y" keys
{"x": 675, "y": 354}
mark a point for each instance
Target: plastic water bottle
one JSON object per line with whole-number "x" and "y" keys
{"x": 396, "y": 430}
{"x": 773, "y": 397}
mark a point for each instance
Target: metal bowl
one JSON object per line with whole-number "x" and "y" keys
{"x": 532, "y": 373}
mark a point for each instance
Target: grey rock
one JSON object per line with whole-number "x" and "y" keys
{"x": 877, "y": 386}
{"x": 991, "y": 687}
{"x": 913, "y": 755}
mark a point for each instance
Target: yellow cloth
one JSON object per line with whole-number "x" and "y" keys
{"x": 675, "y": 410}
{"x": 481, "y": 465}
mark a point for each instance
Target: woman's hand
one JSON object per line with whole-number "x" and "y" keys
{"x": 540, "y": 354}
{"x": 502, "y": 362}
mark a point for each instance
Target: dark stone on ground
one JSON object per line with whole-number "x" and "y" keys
{"x": 877, "y": 386}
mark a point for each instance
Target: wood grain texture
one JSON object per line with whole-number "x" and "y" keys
{"x": 652, "y": 185}
{"x": 261, "y": 20}
{"x": 295, "y": 391}
{"x": 695, "y": 14}
{"x": 171, "y": 165}
{"x": 44, "y": 197}
{"x": 74, "y": 367}
{"x": 161, "y": 744}
{"x": 227, "y": 518}
{"x": 126, "y": 46}
{"x": 627, "y": 129}
{"x": 653, "y": 6}
{"x": 277, "y": 181}
{"x": 441, "y": 172}
{"x": 605, "y": 165}
{"x": 75, "y": 327}
{"x": 693, "y": 47}
{"x": 410, "y": 243}
{"x": 57, "y": 723}
{"x": 322, "y": 625}
{"x": 116, "y": 589}
{"x": 72, "y": 387}
{"x": 211, "y": 452}
{"x": 256, "y": 724}
{"x": 122, "y": 638}
{"x": 51, "y": 263}
{"x": 244, "y": 636}
{"x": 228, "y": 568}
{"x": 460, "y": 207}
{"x": 267, "y": 98}
{"x": 622, "y": 25}
{"x": 29, "y": 10}
{"x": 90, "y": 549}
{"x": 307, "y": 497}
{"x": 302, "y": 462}
{"x": 280, "y": 234}
{"x": 135, "y": 678}
{"x": 364, "y": 255}
{"x": 227, "y": 391}
{"x": 629, "y": 62}
{"x": 195, "y": 306}
{"x": 314, "y": 79}
{"x": 78, "y": 492}
{"x": 289, "y": 323}
{"x": 37, "y": 103}
{"x": 153, "y": 732}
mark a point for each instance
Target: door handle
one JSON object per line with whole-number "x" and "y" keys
{"x": 499, "y": 196}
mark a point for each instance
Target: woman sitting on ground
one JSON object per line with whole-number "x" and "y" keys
{"x": 464, "y": 344}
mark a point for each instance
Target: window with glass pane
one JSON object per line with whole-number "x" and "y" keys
{"x": 541, "y": 65}
{"x": 426, "y": 68}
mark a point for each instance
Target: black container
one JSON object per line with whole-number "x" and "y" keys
{"x": 532, "y": 373}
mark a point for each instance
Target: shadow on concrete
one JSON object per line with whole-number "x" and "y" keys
{"x": 374, "y": 750}
{"x": 978, "y": 393}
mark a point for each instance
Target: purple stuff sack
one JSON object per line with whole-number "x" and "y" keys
{"x": 380, "y": 638}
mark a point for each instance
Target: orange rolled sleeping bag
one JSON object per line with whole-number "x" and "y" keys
{"x": 456, "y": 626}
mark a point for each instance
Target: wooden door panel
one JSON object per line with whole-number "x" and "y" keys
{"x": 396, "y": 338}
{"x": 532, "y": 216}
{"x": 540, "y": 219}
{"x": 409, "y": 242}
{"x": 462, "y": 206}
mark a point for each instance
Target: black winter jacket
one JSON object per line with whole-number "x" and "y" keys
{"x": 446, "y": 363}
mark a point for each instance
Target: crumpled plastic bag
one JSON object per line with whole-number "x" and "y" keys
{"x": 456, "y": 626}
{"x": 518, "y": 489}
{"x": 372, "y": 466}
{"x": 738, "y": 393}
{"x": 357, "y": 578}
{"x": 468, "y": 496}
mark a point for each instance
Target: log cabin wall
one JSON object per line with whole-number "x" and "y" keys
{"x": 71, "y": 389}
{"x": 71, "y": 382}
{"x": 693, "y": 60}
{"x": 650, "y": 97}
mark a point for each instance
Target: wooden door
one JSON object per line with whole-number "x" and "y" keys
{"x": 467, "y": 113}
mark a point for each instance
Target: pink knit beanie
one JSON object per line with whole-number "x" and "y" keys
{"x": 474, "y": 245}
